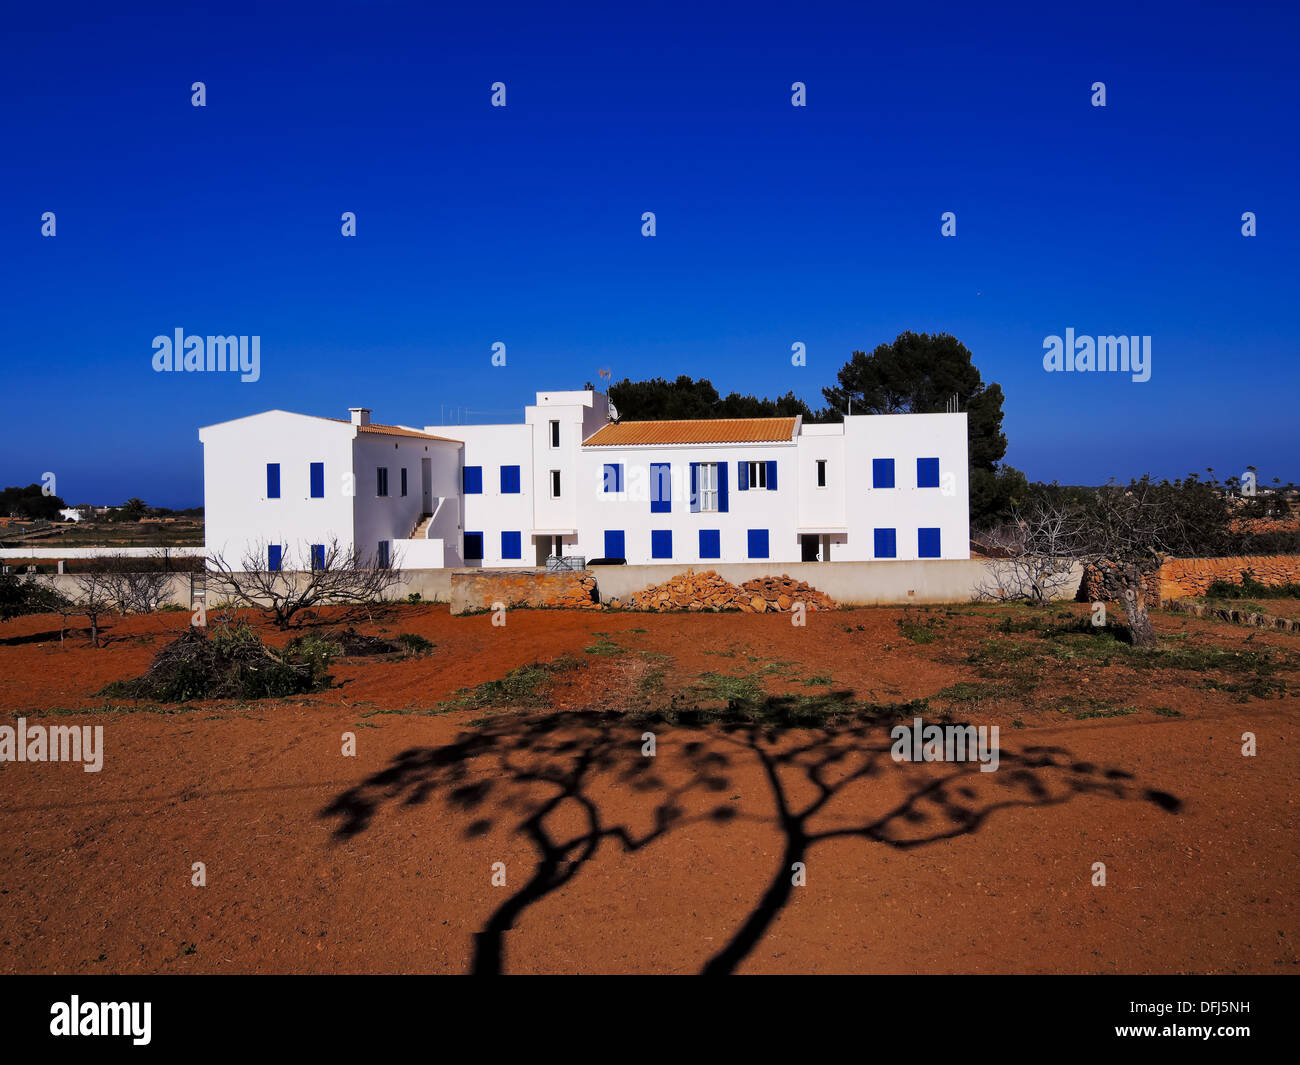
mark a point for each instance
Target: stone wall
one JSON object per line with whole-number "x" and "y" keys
{"x": 481, "y": 589}
{"x": 1182, "y": 578}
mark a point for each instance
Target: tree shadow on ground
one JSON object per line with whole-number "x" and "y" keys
{"x": 561, "y": 774}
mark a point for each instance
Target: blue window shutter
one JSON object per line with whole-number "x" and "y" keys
{"x": 927, "y": 473}
{"x": 710, "y": 543}
{"x": 695, "y": 487}
{"x": 318, "y": 480}
{"x": 886, "y": 544}
{"x": 613, "y": 477}
{"x": 472, "y": 480}
{"x": 272, "y": 480}
{"x": 317, "y": 556}
{"x": 758, "y": 543}
{"x": 771, "y": 475}
{"x": 273, "y": 556}
{"x": 927, "y": 543}
{"x": 509, "y": 480}
{"x": 882, "y": 473}
{"x": 661, "y": 488}
{"x": 512, "y": 545}
{"x": 722, "y": 488}
{"x": 474, "y": 547}
{"x": 614, "y": 543}
{"x": 661, "y": 543}
{"x": 742, "y": 476}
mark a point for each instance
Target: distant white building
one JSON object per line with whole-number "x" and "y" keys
{"x": 569, "y": 480}
{"x": 70, "y": 514}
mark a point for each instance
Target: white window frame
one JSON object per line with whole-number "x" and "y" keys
{"x": 555, "y": 484}
{"x": 554, "y": 433}
{"x": 708, "y": 487}
{"x": 758, "y": 476}
{"x": 822, "y": 474}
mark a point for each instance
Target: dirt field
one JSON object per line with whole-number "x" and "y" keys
{"x": 773, "y": 749}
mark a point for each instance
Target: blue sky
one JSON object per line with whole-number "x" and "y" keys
{"x": 522, "y": 224}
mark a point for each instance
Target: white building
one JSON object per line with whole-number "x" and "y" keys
{"x": 571, "y": 481}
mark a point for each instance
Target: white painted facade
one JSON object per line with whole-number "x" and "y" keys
{"x": 492, "y": 490}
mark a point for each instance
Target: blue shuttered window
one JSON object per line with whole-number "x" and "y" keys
{"x": 509, "y": 480}
{"x": 318, "y": 480}
{"x": 742, "y": 476}
{"x": 512, "y": 545}
{"x": 661, "y": 543}
{"x": 927, "y": 543}
{"x": 710, "y": 543}
{"x": 722, "y": 487}
{"x": 381, "y": 480}
{"x": 927, "y": 473}
{"x": 471, "y": 480}
{"x": 771, "y": 475}
{"x": 661, "y": 488}
{"x": 273, "y": 555}
{"x": 473, "y": 547}
{"x": 317, "y": 556}
{"x": 758, "y": 543}
{"x": 882, "y": 473}
{"x": 614, "y": 544}
{"x": 886, "y": 543}
{"x": 272, "y": 480}
{"x": 613, "y": 477}
{"x": 695, "y": 487}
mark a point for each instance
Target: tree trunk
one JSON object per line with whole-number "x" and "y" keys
{"x": 1135, "y": 610}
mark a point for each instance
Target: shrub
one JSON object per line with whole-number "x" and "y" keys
{"x": 232, "y": 663}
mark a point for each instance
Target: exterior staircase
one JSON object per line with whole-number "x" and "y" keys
{"x": 421, "y": 530}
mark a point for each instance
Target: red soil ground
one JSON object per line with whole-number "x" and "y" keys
{"x": 383, "y": 862}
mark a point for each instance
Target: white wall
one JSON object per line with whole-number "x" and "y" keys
{"x": 630, "y": 511}
{"x": 237, "y": 513}
{"x": 394, "y": 516}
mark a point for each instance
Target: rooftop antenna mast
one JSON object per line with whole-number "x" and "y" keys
{"x": 606, "y": 375}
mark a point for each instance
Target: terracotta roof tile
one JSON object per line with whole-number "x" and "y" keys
{"x": 394, "y": 430}
{"x": 695, "y": 431}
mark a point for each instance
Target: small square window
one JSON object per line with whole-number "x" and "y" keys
{"x": 473, "y": 547}
{"x": 886, "y": 543}
{"x": 927, "y": 473}
{"x": 927, "y": 543}
{"x": 472, "y": 480}
{"x": 882, "y": 473}
{"x": 512, "y": 545}
{"x": 710, "y": 543}
{"x": 661, "y": 543}
{"x": 758, "y": 543}
{"x": 509, "y": 480}
{"x": 614, "y": 544}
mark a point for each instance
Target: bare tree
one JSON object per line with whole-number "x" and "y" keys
{"x": 334, "y": 575}
{"x": 138, "y": 589}
{"x": 1036, "y": 550}
{"x": 95, "y": 595}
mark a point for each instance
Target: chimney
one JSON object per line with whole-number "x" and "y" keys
{"x": 360, "y": 415}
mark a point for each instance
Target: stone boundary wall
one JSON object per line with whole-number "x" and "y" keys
{"x": 1183, "y": 578}
{"x": 481, "y": 589}
{"x": 1239, "y": 617}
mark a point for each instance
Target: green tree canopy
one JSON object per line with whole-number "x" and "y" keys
{"x": 659, "y": 399}
{"x": 919, "y": 373}
{"x": 30, "y": 502}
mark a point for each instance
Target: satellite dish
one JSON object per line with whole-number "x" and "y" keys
{"x": 613, "y": 413}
